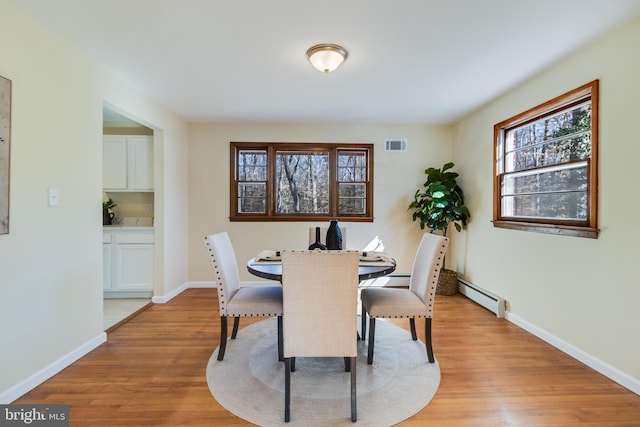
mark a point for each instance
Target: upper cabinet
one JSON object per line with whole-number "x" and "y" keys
{"x": 127, "y": 163}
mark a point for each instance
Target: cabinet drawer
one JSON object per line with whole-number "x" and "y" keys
{"x": 134, "y": 238}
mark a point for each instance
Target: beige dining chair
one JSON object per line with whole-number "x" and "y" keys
{"x": 238, "y": 298}
{"x": 414, "y": 302}
{"x": 320, "y": 296}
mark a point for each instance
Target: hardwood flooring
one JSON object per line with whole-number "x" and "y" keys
{"x": 151, "y": 372}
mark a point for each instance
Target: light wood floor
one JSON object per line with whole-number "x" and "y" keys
{"x": 151, "y": 372}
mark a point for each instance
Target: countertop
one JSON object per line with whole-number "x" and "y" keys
{"x": 119, "y": 227}
{"x": 130, "y": 223}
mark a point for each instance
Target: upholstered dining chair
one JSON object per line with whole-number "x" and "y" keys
{"x": 413, "y": 302}
{"x": 240, "y": 298}
{"x": 320, "y": 297}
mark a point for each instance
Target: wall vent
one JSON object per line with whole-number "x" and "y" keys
{"x": 395, "y": 145}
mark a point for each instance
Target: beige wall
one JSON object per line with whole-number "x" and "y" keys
{"x": 584, "y": 292}
{"x": 397, "y": 176}
{"x": 51, "y": 262}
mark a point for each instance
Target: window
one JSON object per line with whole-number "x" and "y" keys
{"x": 546, "y": 166}
{"x": 301, "y": 181}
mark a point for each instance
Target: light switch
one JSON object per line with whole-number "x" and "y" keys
{"x": 53, "y": 197}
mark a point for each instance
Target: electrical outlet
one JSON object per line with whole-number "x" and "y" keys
{"x": 149, "y": 207}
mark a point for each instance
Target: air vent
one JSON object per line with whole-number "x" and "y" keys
{"x": 395, "y": 145}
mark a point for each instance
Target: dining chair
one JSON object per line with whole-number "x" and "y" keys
{"x": 238, "y": 298}
{"x": 320, "y": 296}
{"x": 413, "y": 302}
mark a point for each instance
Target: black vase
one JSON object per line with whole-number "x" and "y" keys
{"x": 317, "y": 244}
{"x": 334, "y": 236}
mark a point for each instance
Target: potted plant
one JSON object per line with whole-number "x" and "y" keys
{"x": 107, "y": 214}
{"x": 441, "y": 203}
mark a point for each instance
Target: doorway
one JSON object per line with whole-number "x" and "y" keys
{"x": 128, "y": 213}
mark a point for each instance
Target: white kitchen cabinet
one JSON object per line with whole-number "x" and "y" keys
{"x": 127, "y": 163}
{"x": 128, "y": 263}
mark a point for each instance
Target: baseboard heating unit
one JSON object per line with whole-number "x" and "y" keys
{"x": 484, "y": 298}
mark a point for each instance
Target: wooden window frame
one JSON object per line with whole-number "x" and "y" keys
{"x": 271, "y": 148}
{"x": 587, "y": 228}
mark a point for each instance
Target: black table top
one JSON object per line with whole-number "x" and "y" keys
{"x": 272, "y": 270}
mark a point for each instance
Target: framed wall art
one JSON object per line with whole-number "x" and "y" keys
{"x": 5, "y": 144}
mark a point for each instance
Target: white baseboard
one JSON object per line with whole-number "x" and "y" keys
{"x": 163, "y": 299}
{"x": 44, "y": 374}
{"x": 604, "y": 368}
{"x": 201, "y": 284}
{"x": 180, "y": 289}
{"x": 483, "y": 297}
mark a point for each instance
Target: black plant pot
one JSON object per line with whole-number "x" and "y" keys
{"x": 107, "y": 217}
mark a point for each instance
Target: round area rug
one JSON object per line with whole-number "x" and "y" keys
{"x": 249, "y": 382}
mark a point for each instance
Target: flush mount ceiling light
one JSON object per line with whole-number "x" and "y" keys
{"x": 326, "y": 57}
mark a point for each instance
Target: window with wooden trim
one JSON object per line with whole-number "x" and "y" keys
{"x": 546, "y": 166}
{"x": 301, "y": 181}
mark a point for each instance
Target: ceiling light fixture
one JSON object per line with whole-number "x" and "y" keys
{"x": 326, "y": 57}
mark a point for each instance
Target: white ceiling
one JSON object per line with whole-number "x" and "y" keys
{"x": 410, "y": 61}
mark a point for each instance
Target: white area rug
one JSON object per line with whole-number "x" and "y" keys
{"x": 249, "y": 382}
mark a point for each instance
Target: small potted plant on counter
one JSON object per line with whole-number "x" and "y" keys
{"x": 107, "y": 214}
{"x": 441, "y": 203}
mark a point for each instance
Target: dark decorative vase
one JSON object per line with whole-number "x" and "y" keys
{"x": 317, "y": 244}
{"x": 107, "y": 217}
{"x": 334, "y": 236}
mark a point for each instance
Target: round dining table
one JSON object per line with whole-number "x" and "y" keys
{"x": 272, "y": 270}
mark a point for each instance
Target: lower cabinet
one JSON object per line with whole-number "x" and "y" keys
{"x": 128, "y": 263}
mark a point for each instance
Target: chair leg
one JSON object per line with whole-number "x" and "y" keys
{"x": 223, "y": 337}
{"x": 293, "y": 364}
{"x": 287, "y": 389}
{"x": 412, "y": 324}
{"x": 364, "y": 323}
{"x": 280, "y": 340}
{"x": 234, "y": 332}
{"x": 372, "y": 333}
{"x": 347, "y": 364}
{"x": 427, "y": 339}
{"x": 354, "y": 412}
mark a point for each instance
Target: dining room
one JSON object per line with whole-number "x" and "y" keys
{"x": 554, "y": 285}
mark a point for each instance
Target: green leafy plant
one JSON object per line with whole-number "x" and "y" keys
{"x": 441, "y": 202}
{"x": 108, "y": 204}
